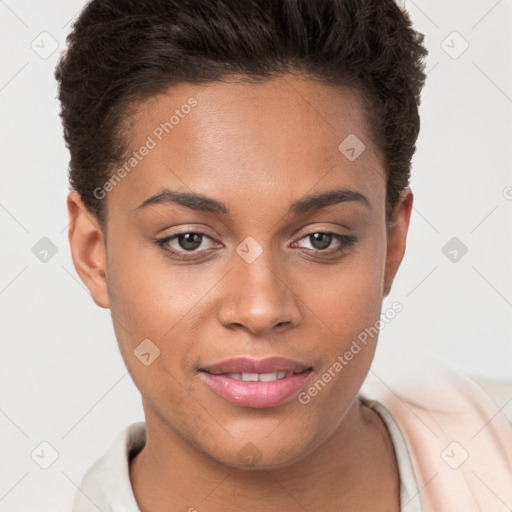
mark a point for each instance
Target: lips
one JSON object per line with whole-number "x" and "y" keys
{"x": 259, "y": 377}
{"x": 256, "y": 383}
{"x": 248, "y": 365}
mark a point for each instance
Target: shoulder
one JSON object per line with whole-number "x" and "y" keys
{"x": 457, "y": 430}
{"x": 106, "y": 484}
{"x": 439, "y": 391}
{"x": 500, "y": 391}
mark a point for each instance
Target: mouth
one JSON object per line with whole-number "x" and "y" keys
{"x": 260, "y": 377}
{"x": 256, "y": 383}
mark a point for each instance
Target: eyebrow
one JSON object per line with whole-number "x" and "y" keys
{"x": 308, "y": 204}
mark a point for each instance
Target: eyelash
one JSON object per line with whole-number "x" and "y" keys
{"x": 347, "y": 242}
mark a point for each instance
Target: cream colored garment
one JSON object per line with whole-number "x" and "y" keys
{"x": 427, "y": 414}
{"x": 458, "y": 439}
{"x": 106, "y": 486}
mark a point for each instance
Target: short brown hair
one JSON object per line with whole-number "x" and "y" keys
{"x": 123, "y": 51}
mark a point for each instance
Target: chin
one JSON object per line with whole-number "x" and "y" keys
{"x": 260, "y": 453}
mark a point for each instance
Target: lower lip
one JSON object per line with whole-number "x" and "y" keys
{"x": 257, "y": 395}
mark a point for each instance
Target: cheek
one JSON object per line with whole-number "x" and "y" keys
{"x": 348, "y": 308}
{"x": 148, "y": 292}
{"x": 347, "y": 297}
{"x": 153, "y": 299}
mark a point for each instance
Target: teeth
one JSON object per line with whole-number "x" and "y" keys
{"x": 267, "y": 377}
{"x": 250, "y": 377}
{"x": 261, "y": 377}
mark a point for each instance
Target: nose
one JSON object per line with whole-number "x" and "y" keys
{"x": 258, "y": 297}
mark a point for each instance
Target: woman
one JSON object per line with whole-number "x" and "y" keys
{"x": 240, "y": 203}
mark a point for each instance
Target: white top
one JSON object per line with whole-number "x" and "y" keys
{"x": 106, "y": 485}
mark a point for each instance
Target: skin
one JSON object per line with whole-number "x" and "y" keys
{"x": 257, "y": 148}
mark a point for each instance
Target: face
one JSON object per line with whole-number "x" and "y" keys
{"x": 217, "y": 250}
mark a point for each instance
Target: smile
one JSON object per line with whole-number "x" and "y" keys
{"x": 255, "y": 383}
{"x": 261, "y": 377}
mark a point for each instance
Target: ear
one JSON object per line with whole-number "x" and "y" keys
{"x": 88, "y": 249}
{"x": 397, "y": 236}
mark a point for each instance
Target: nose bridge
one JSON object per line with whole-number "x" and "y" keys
{"x": 255, "y": 295}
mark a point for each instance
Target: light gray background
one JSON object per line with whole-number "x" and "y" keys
{"x": 62, "y": 379}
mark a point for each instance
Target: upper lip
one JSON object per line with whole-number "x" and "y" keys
{"x": 250, "y": 365}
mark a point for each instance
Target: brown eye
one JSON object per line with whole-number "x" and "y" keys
{"x": 187, "y": 245}
{"x": 189, "y": 241}
{"x": 320, "y": 241}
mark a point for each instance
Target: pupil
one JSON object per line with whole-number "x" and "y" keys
{"x": 191, "y": 240}
{"x": 324, "y": 239}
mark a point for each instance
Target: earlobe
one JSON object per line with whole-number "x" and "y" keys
{"x": 87, "y": 249}
{"x": 397, "y": 237}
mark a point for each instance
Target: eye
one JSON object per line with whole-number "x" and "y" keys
{"x": 191, "y": 244}
{"x": 184, "y": 245}
{"x": 322, "y": 240}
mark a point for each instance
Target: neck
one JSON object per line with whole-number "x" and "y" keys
{"x": 354, "y": 469}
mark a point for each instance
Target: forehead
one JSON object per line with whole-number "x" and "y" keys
{"x": 288, "y": 135}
